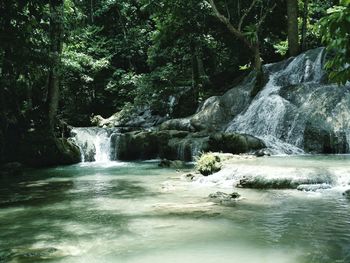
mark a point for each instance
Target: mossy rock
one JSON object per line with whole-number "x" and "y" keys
{"x": 208, "y": 164}
{"x": 40, "y": 149}
{"x": 137, "y": 145}
{"x": 234, "y": 143}
{"x": 143, "y": 145}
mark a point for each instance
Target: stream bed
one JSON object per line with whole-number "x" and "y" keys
{"x": 138, "y": 212}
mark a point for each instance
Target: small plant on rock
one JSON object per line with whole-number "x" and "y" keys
{"x": 208, "y": 164}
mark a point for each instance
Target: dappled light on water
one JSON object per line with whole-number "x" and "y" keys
{"x": 137, "y": 212}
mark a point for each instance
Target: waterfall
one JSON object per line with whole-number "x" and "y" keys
{"x": 268, "y": 117}
{"x": 181, "y": 148}
{"x": 94, "y": 143}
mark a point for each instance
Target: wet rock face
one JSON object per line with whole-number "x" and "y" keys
{"x": 322, "y": 116}
{"x": 143, "y": 145}
{"x": 179, "y": 145}
{"x": 296, "y": 110}
{"x": 320, "y": 138}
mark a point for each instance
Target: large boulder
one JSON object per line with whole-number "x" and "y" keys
{"x": 183, "y": 124}
{"x": 130, "y": 116}
{"x": 321, "y": 119}
{"x": 137, "y": 145}
{"x": 234, "y": 143}
{"x": 320, "y": 138}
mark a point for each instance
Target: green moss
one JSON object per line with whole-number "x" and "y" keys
{"x": 208, "y": 164}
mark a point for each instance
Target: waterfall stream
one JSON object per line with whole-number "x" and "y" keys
{"x": 267, "y": 115}
{"x": 297, "y": 110}
{"x": 94, "y": 143}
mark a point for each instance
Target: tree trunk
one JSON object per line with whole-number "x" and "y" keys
{"x": 195, "y": 75}
{"x": 203, "y": 76}
{"x": 56, "y": 37}
{"x": 304, "y": 28}
{"x": 257, "y": 59}
{"x": 240, "y": 36}
{"x": 293, "y": 35}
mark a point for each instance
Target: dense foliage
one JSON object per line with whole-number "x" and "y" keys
{"x": 117, "y": 53}
{"x": 336, "y": 34}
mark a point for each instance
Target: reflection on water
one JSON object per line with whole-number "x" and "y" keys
{"x": 136, "y": 212}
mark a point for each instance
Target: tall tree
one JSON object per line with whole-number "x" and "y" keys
{"x": 293, "y": 34}
{"x": 304, "y": 26}
{"x": 56, "y": 43}
{"x": 251, "y": 43}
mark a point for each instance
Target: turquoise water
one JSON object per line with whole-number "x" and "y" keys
{"x": 137, "y": 212}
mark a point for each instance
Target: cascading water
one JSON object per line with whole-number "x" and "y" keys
{"x": 94, "y": 143}
{"x": 268, "y": 116}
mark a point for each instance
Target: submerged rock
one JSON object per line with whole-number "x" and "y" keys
{"x": 32, "y": 254}
{"x": 176, "y": 164}
{"x": 313, "y": 187}
{"x": 224, "y": 198}
{"x": 190, "y": 176}
{"x": 267, "y": 183}
{"x": 263, "y": 152}
{"x": 347, "y": 194}
{"x": 307, "y": 184}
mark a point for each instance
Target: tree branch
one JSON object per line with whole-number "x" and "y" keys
{"x": 238, "y": 34}
{"x": 227, "y": 11}
{"x": 262, "y": 19}
{"x": 241, "y": 21}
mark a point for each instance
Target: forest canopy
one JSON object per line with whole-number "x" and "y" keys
{"x": 70, "y": 60}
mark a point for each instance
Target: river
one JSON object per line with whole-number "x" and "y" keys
{"x": 138, "y": 212}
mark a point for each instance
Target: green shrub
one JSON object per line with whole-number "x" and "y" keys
{"x": 208, "y": 164}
